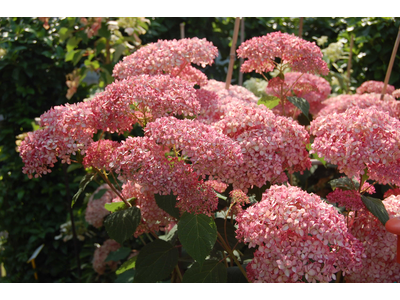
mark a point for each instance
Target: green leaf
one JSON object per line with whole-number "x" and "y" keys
{"x": 345, "y": 183}
{"x": 99, "y": 194}
{"x": 376, "y": 207}
{"x": 119, "y": 254}
{"x": 126, "y": 277}
{"x": 269, "y": 101}
{"x": 115, "y": 206}
{"x": 73, "y": 167}
{"x": 82, "y": 185}
{"x": 301, "y": 104}
{"x": 156, "y": 261}
{"x": 211, "y": 271}
{"x": 70, "y": 55}
{"x": 77, "y": 56}
{"x": 171, "y": 236}
{"x": 118, "y": 52}
{"x": 198, "y": 234}
{"x": 168, "y": 204}
{"x": 129, "y": 264}
{"x": 72, "y": 43}
{"x": 64, "y": 33}
{"x": 122, "y": 224}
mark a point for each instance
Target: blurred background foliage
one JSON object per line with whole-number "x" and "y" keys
{"x": 51, "y": 61}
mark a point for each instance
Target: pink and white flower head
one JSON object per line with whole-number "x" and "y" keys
{"x": 65, "y": 131}
{"x": 299, "y": 238}
{"x": 95, "y": 211}
{"x": 313, "y": 88}
{"x": 270, "y": 145}
{"x": 294, "y": 52}
{"x": 396, "y": 94}
{"x": 153, "y": 218}
{"x": 235, "y": 91}
{"x": 100, "y": 255}
{"x": 373, "y": 86}
{"x": 359, "y": 139}
{"x": 172, "y": 57}
{"x": 98, "y": 154}
{"x": 339, "y": 104}
{"x": 380, "y": 264}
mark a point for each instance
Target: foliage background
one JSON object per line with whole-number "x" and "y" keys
{"x": 32, "y": 80}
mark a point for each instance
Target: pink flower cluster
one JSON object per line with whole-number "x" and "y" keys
{"x": 372, "y": 86}
{"x": 391, "y": 192}
{"x": 172, "y": 57}
{"x": 299, "y": 238}
{"x": 358, "y": 139}
{"x": 141, "y": 160}
{"x": 210, "y": 152}
{"x": 153, "y": 217}
{"x": 339, "y": 104}
{"x": 313, "y": 88}
{"x": 380, "y": 264}
{"x": 100, "y": 255}
{"x": 65, "y": 130}
{"x": 270, "y": 145}
{"x": 95, "y": 211}
{"x": 294, "y": 52}
{"x": 98, "y": 154}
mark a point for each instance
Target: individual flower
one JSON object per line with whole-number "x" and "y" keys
{"x": 100, "y": 255}
{"x": 95, "y": 211}
{"x": 339, "y": 104}
{"x": 380, "y": 264}
{"x": 373, "y": 86}
{"x": 172, "y": 57}
{"x": 299, "y": 238}
{"x": 359, "y": 140}
{"x": 313, "y": 88}
{"x": 294, "y": 52}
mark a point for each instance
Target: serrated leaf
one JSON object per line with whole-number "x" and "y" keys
{"x": 129, "y": 264}
{"x": 122, "y": 224}
{"x": 301, "y": 104}
{"x": 115, "y": 206}
{"x": 156, "y": 261}
{"x": 82, "y": 185}
{"x": 119, "y": 254}
{"x": 197, "y": 234}
{"x": 211, "y": 271}
{"x": 168, "y": 204}
{"x": 269, "y": 101}
{"x": 376, "y": 207}
{"x": 344, "y": 183}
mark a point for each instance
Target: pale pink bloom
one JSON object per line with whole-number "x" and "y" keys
{"x": 313, "y": 88}
{"x": 373, "y": 86}
{"x": 218, "y": 186}
{"x": 294, "y": 52}
{"x": 396, "y": 93}
{"x": 380, "y": 264}
{"x": 235, "y": 91}
{"x": 95, "y": 211}
{"x": 100, "y": 255}
{"x": 172, "y": 57}
{"x": 65, "y": 131}
{"x": 297, "y": 235}
{"x": 339, "y": 104}
{"x": 153, "y": 218}
{"x": 98, "y": 154}
{"x": 359, "y": 139}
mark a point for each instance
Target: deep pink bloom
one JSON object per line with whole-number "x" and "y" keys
{"x": 391, "y": 192}
{"x": 172, "y": 57}
{"x": 373, "y": 86}
{"x": 380, "y": 264}
{"x": 359, "y": 139}
{"x": 297, "y": 235}
{"x": 296, "y": 53}
{"x": 100, "y": 255}
{"x": 98, "y": 154}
